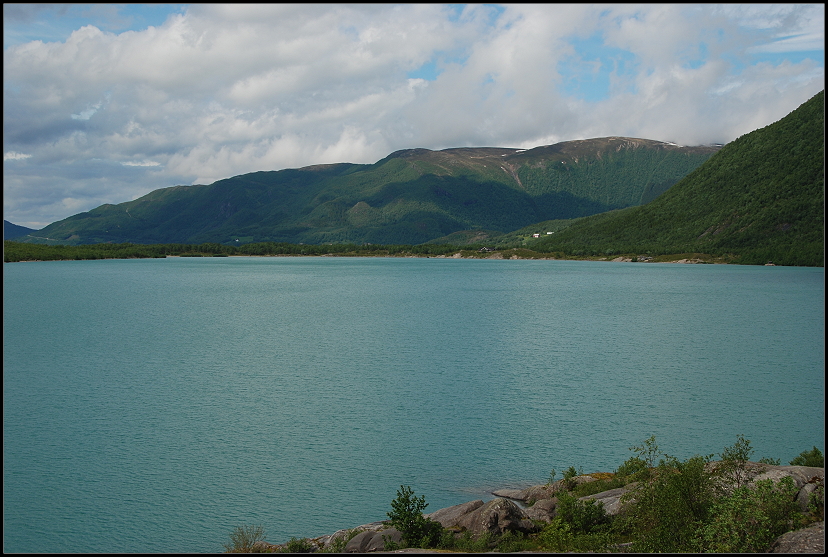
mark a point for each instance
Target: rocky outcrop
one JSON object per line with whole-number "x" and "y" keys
{"x": 807, "y": 540}
{"x": 544, "y": 510}
{"x": 503, "y": 515}
{"x": 611, "y": 499}
{"x": 538, "y": 492}
{"x": 498, "y": 516}
{"x": 805, "y": 478}
{"x": 449, "y": 516}
{"x": 801, "y": 475}
{"x": 495, "y": 517}
{"x": 541, "y": 500}
{"x": 370, "y": 540}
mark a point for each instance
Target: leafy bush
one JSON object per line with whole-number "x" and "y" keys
{"x": 671, "y": 506}
{"x": 514, "y": 542}
{"x": 584, "y": 517}
{"x": 242, "y": 539}
{"x": 816, "y": 502}
{"x": 633, "y": 469}
{"x": 559, "y": 536}
{"x": 813, "y": 457}
{"x": 751, "y": 518}
{"x": 407, "y": 516}
{"x": 568, "y": 481}
{"x": 298, "y": 546}
{"x": 466, "y": 542}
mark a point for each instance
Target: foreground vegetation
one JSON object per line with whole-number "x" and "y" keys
{"x": 671, "y": 506}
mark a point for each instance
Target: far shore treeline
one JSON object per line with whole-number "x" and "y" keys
{"x": 20, "y": 251}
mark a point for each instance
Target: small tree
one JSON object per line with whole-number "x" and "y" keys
{"x": 648, "y": 452}
{"x": 569, "y": 482}
{"x": 242, "y": 539}
{"x": 733, "y": 468}
{"x": 407, "y": 516}
{"x": 809, "y": 458}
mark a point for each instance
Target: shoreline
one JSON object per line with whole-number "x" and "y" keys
{"x": 524, "y": 511}
{"x": 701, "y": 259}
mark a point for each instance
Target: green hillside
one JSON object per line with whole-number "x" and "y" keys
{"x": 11, "y": 230}
{"x": 761, "y": 198}
{"x": 410, "y": 197}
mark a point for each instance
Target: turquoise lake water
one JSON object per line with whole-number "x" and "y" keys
{"x": 154, "y": 405}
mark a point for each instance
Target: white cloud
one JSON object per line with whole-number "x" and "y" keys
{"x": 141, "y": 163}
{"x": 221, "y": 90}
{"x": 13, "y": 156}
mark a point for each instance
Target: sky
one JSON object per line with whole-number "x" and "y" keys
{"x": 103, "y": 103}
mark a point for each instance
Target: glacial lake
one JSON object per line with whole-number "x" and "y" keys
{"x": 154, "y": 405}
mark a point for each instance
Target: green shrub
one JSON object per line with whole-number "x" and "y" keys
{"x": 466, "y": 542}
{"x": 633, "y": 469}
{"x": 242, "y": 539}
{"x": 583, "y": 517}
{"x": 750, "y": 519}
{"x": 638, "y": 468}
{"x": 810, "y": 458}
{"x": 514, "y": 542}
{"x": 568, "y": 483}
{"x": 559, "y": 536}
{"x": 671, "y": 506}
{"x": 407, "y": 516}
{"x": 816, "y": 502}
{"x": 298, "y": 546}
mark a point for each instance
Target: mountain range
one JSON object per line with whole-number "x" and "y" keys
{"x": 759, "y": 198}
{"x": 409, "y": 197}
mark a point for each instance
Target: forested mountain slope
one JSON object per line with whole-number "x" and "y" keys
{"x": 409, "y": 197}
{"x": 762, "y": 197}
{"x": 13, "y": 231}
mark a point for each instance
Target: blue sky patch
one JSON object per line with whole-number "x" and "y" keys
{"x": 588, "y": 74}
{"x": 427, "y": 71}
{"x": 23, "y": 23}
{"x": 777, "y": 58}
